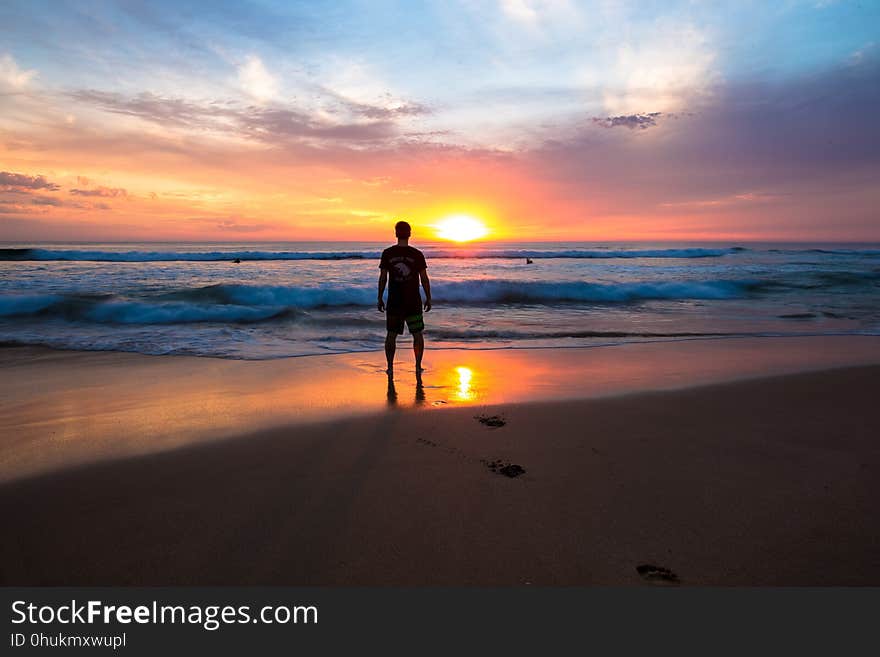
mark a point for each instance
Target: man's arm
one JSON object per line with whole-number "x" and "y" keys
{"x": 426, "y": 284}
{"x": 383, "y": 279}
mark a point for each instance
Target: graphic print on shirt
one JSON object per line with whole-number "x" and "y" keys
{"x": 402, "y": 271}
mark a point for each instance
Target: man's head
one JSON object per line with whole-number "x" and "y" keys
{"x": 402, "y": 229}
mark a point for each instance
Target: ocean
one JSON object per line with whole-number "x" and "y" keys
{"x": 308, "y": 298}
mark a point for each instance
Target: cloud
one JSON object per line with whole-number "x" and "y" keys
{"x": 11, "y": 76}
{"x": 354, "y": 87}
{"x": 537, "y": 14}
{"x": 20, "y": 181}
{"x": 519, "y": 10}
{"x": 745, "y": 197}
{"x": 660, "y": 72}
{"x": 803, "y": 146}
{"x": 271, "y": 124}
{"x": 862, "y": 54}
{"x": 159, "y": 109}
{"x": 103, "y": 192}
{"x": 31, "y": 205}
{"x": 256, "y": 81}
{"x": 47, "y": 200}
{"x": 392, "y": 111}
{"x": 261, "y": 123}
{"x": 631, "y": 121}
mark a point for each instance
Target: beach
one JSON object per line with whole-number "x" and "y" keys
{"x": 747, "y": 461}
{"x": 439, "y": 320}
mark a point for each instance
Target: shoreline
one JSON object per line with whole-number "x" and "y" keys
{"x": 763, "y": 481}
{"x": 404, "y": 342}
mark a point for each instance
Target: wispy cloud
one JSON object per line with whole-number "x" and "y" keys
{"x": 519, "y": 10}
{"x": 46, "y": 200}
{"x": 12, "y": 76}
{"x": 103, "y": 192}
{"x": 262, "y": 123}
{"x": 392, "y": 110}
{"x": 256, "y": 81}
{"x": 352, "y": 86}
{"x": 540, "y": 16}
{"x": 631, "y": 121}
{"x": 20, "y": 181}
{"x": 659, "y": 72}
{"x": 860, "y": 55}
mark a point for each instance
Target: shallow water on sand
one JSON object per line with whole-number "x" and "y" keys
{"x": 64, "y": 407}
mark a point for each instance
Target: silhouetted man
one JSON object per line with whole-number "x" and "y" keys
{"x": 405, "y": 266}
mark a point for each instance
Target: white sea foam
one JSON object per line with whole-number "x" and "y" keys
{"x": 252, "y": 303}
{"x": 139, "y": 297}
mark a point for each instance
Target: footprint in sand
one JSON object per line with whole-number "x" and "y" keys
{"x": 493, "y": 421}
{"x": 657, "y": 574}
{"x": 497, "y": 466}
{"x": 507, "y": 469}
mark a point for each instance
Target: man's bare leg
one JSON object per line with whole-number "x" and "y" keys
{"x": 418, "y": 349}
{"x": 390, "y": 348}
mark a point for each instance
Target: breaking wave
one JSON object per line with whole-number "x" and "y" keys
{"x": 231, "y": 303}
{"x": 255, "y": 303}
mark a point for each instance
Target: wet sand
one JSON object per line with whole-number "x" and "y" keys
{"x": 754, "y": 481}
{"x": 64, "y": 408}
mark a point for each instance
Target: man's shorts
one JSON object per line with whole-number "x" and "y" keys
{"x": 394, "y": 322}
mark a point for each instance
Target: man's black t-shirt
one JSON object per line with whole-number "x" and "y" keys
{"x": 403, "y": 264}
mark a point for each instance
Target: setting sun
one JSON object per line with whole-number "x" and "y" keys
{"x": 461, "y": 228}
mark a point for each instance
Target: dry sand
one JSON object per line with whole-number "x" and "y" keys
{"x": 770, "y": 481}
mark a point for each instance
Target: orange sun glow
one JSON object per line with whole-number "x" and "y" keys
{"x": 461, "y": 228}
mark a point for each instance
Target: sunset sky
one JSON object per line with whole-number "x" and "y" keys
{"x": 546, "y": 119}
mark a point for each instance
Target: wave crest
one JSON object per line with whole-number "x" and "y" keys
{"x": 256, "y": 303}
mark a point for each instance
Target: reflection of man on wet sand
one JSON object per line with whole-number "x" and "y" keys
{"x": 402, "y": 268}
{"x": 420, "y": 391}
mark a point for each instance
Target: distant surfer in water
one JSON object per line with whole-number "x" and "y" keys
{"x": 402, "y": 267}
